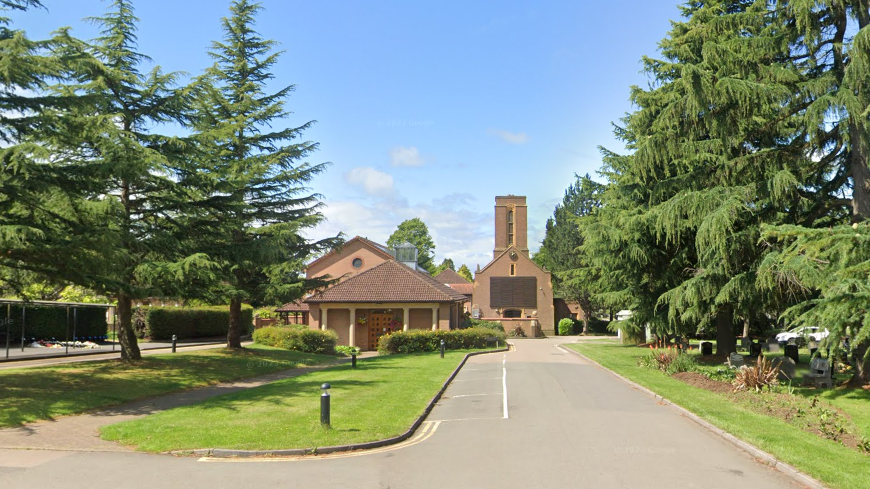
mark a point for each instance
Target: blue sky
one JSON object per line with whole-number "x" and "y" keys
{"x": 428, "y": 109}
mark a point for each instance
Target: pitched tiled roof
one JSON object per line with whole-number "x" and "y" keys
{"x": 450, "y": 277}
{"x": 388, "y": 282}
{"x": 465, "y": 289}
{"x": 376, "y": 247}
{"x": 297, "y": 306}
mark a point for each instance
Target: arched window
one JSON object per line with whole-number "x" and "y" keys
{"x": 512, "y": 313}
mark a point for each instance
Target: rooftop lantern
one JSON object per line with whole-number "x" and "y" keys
{"x": 406, "y": 254}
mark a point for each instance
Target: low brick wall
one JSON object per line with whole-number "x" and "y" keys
{"x": 510, "y": 324}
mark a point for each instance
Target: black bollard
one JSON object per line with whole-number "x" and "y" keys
{"x": 174, "y": 341}
{"x": 324, "y": 405}
{"x": 353, "y": 360}
{"x": 442, "y": 348}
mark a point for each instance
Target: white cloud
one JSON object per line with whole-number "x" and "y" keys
{"x": 373, "y": 182}
{"x": 460, "y": 227}
{"x": 509, "y": 137}
{"x": 401, "y": 156}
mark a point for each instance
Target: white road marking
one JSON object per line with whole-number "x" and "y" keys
{"x": 504, "y": 384}
{"x": 473, "y": 395}
{"x": 467, "y": 419}
{"x": 475, "y": 380}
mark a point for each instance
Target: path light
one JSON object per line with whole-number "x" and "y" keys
{"x": 442, "y": 348}
{"x": 174, "y": 341}
{"x": 324, "y": 405}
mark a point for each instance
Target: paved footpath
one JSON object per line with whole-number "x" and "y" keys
{"x": 566, "y": 423}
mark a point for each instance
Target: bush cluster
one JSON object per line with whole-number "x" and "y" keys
{"x": 45, "y": 322}
{"x": 596, "y": 327}
{"x": 566, "y": 327}
{"x": 417, "y": 341}
{"x": 160, "y": 323}
{"x": 293, "y": 338}
{"x": 480, "y": 323}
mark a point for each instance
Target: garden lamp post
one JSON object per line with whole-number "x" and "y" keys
{"x": 324, "y": 405}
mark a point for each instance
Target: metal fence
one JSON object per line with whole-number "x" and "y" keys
{"x": 71, "y": 320}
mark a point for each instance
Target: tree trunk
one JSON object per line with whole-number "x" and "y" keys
{"x": 860, "y": 174}
{"x": 126, "y": 335}
{"x": 234, "y": 333}
{"x": 725, "y": 342}
{"x": 861, "y": 370}
{"x": 745, "y": 327}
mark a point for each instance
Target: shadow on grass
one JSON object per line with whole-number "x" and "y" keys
{"x": 44, "y": 393}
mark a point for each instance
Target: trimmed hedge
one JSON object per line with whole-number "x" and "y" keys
{"x": 160, "y": 323}
{"x": 292, "y": 338}
{"x": 45, "y": 322}
{"x": 417, "y": 341}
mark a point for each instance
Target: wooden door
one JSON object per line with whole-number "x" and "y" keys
{"x": 379, "y": 325}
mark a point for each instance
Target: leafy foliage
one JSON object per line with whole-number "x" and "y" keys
{"x": 566, "y": 326}
{"x": 304, "y": 340}
{"x": 756, "y": 377}
{"x": 465, "y": 272}
{"x": 414, "y": 231}
{"x": 425, "y": 340}
{"x": 561, "y": 251}
{"x": 160, "y": 323}
{"x": 261, "y": 201}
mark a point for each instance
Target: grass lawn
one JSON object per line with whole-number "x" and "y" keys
{"x": 35, "y": 393}
{"x": 833, "y": 464}
{"x": 379, "y": 399}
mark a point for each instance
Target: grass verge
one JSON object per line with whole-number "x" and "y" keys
{"x": 379, "y": 399}
{"x": 827, "y": 461}
{"x": 37, "y": 393}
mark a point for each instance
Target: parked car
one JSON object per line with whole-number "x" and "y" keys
{"x": 802, "y": 335}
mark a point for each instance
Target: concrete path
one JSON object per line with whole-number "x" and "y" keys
{"x": 82, "y": 432}
{"x": 566, "y": 423}
{"x": 53, "y": 356}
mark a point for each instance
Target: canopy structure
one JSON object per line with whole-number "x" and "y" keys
{"x": 8, "y": 321}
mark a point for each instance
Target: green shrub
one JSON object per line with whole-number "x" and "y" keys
{"x": 417, "y": 341}
{"x": 566, "y": 327}
{"x": 481, "y": 323}
{"x": 160, "y": 323}
{"x": 304, "y": 340}
{"x": 683, "y": 363}
{"x": 597, "y": 327}
{"x": 46, "y": 322}
{"x": 347, "y": 351}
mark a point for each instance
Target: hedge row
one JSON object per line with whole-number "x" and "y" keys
{"x": 294, "y": 338}
{"x": 45, "y": 323}
{"x": 160, "y": 323}
{"x": 416, "y": 341}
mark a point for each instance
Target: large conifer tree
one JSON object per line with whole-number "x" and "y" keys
{"x": 561, "y": 253}
{"x": 140, "y": 183}
{"x": 263, "y": 204}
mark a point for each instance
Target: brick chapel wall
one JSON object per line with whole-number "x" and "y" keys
{"x": 340, "y": 264}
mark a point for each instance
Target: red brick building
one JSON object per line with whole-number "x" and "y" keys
{"x": 512, "y": 288}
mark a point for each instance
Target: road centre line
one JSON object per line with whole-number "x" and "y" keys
{"x": 504, "y": 384}
{"x": 473, "y": 380}
{"x": 473, "y": 395}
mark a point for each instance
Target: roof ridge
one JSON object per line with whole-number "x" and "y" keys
{"x": 443, "y": 292}
{"x": 428, "y": 279}
{"x": 512, "y": 247}
{"x": 377, "y": 246}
